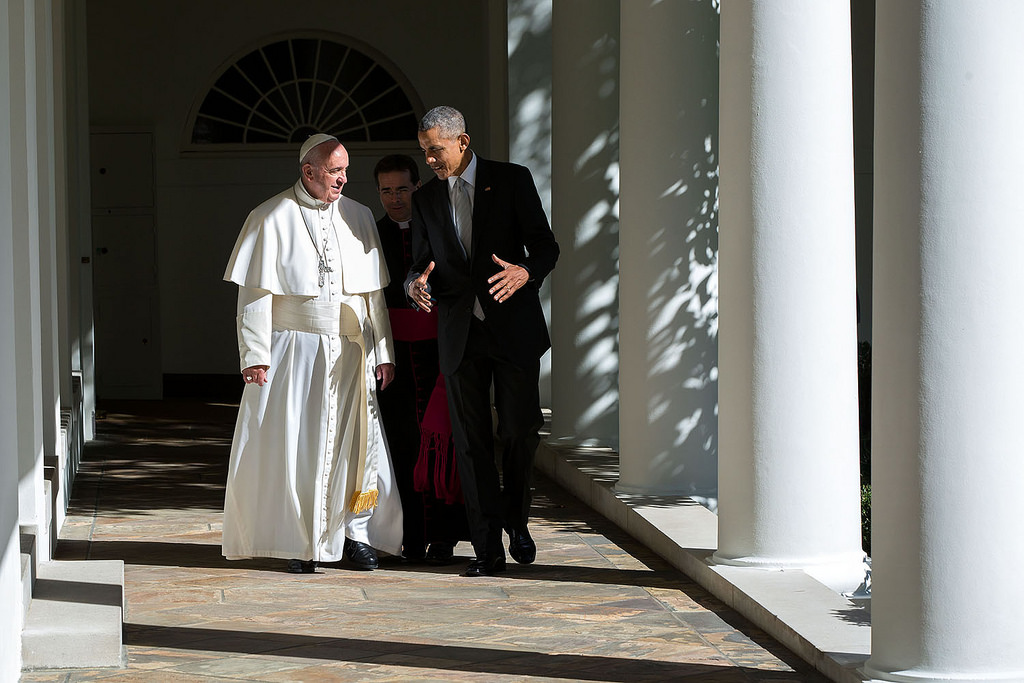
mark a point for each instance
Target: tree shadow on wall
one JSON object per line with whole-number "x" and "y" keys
{"x": 586, "y": 198}
{"x": 681, "y": 297}
{"x": 681, "y": 315}
{"x": 529, "y": 96}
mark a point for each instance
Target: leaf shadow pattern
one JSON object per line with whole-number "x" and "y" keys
{"x": 529, "y": 115}
{"x": 585, "y": 320}
{"x": 670, "y": 229}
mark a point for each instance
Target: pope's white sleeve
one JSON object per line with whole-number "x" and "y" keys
{"x": 254, "y": 323}
{"x": 383, "y": 346}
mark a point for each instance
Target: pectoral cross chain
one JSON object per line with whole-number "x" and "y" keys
{"x": 320, "y": 254}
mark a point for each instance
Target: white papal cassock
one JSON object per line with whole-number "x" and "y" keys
{"x": 309, "y": 464}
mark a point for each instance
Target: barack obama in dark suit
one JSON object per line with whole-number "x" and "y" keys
{"x": 484, "y": 274}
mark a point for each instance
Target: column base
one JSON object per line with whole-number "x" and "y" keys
{"x": 844, "y": 574}
{"x": 710, "y": 502}
{"x": 924, "y": 676}
{"x": 582, "y": 442}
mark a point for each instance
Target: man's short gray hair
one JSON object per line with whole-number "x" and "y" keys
{"x": 448, "y": 120}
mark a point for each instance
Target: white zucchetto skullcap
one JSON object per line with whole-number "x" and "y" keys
{"x": 313, "y": 141}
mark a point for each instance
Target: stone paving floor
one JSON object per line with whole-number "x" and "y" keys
{"x": 596, "y": 606}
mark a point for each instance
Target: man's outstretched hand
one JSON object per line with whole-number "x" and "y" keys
{"x": 419, "y": 290}
{"x": 506, "y": 281}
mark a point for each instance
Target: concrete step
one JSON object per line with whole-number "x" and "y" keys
{"x": 75, "y": 617}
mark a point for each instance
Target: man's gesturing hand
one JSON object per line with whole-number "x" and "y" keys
{"x": 419, "y": 290}
{"x": 507, "y": 280}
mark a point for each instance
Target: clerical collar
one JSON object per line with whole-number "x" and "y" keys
{"x": 469, "y": 175}
{"x": 306, "y": 199}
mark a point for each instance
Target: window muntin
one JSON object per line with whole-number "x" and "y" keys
{"x": 284, "y": 91}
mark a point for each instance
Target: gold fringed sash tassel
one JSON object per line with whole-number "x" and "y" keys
{"x": 364, "y": 500}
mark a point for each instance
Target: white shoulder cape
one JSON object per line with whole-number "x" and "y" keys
{"x": 275, "y": 250}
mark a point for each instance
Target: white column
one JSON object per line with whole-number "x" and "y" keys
{"x": 47, "y": 206}
{"x": 80, "y": 300}
{"x": 61, "y": 190}
{"x": 529, "y": 118}
{"x": 27, "y": 335}
{"x": 11, "y": 604}
{"x": 947, "y": 548}
{"x": 11, "y": 607}
{"x": 584, "y": 216}
{"x": 789, "y": 471}
{"x": 668, "y": 247}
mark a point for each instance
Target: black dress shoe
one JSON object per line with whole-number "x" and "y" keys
{"x": 301, "y": 566}
{"x": 520, "y": 546}
{"x": 413, "y": 554}
{"x": 361, "y": 555}
{"x": 440, "y": 553}
{"x": 487, "y": 566}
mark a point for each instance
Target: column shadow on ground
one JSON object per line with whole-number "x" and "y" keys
{"x": 446, "y": 657}
{"x": 208, "y": 556}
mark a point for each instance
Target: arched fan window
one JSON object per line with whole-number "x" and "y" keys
{"x": 286, "y": 90}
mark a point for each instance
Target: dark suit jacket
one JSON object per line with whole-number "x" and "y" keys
{"x": 509, "y": 221}
{"x": 391, "y": 244}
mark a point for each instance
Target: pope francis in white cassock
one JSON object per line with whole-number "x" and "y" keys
{"x": 309, "y": 465}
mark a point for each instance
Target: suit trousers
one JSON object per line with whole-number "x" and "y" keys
{"x": 494, "y": 500}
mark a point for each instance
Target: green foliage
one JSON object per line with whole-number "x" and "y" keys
{"x": 864, "y": 380}
{"x": 865, "y": 518}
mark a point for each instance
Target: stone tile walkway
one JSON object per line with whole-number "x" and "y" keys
{"x": 595, "y": 606}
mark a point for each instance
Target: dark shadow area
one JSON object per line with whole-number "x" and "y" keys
{"x": 855, "y": 615}
{"x": 155, "y": 454}
{"x": 226, "y": 388}
{"x": 160, "y": 554}
{"x": 207, "y": 556}
{"x": 77, "y": 591}
{"x": 447, "y": 657}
